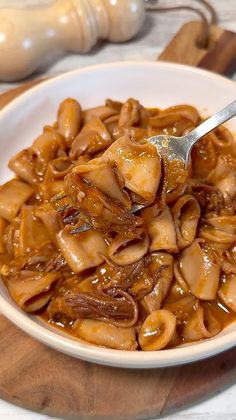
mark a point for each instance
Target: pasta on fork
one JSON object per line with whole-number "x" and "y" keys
{"x": 145, "y": 280}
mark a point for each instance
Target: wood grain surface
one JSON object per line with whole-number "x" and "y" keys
{"x": 41, "y": 379}
{"x": 36, "y": 377}
{"x": 219, "y": 56}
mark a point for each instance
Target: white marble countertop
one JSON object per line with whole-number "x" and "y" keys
{"x": 158, "y": 30}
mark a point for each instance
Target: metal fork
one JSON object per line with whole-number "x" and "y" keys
{"x": 179, "y": 148}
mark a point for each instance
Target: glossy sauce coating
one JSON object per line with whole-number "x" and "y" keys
{"x": 156, "y": 279}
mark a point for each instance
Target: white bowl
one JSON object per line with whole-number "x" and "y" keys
{"x": 160, "y": 84}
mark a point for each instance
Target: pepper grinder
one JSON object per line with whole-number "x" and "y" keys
{"x": 29, "y": 36}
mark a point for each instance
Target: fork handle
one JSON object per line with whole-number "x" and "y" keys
{"x": 213, "y": 122}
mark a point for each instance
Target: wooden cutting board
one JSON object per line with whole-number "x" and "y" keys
{"x": 36, "y": 377}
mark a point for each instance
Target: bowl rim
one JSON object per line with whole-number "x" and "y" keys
{"x": 101, "y": 66}
{"x": 90, "y": 352}
{"x": 118, "y": 358}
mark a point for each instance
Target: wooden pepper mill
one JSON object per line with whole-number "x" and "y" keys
{"x": 29, "y": 36}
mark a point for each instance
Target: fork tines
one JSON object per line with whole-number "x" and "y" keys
{"x": 80, "y": 229}
{"x": 64, "y": 208}
{"x": 71, "y": 218}
{"x": 59, "y": 196}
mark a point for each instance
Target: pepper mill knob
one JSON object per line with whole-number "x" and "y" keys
{"x": 29, "y": 36}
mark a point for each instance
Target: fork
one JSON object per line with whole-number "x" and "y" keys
{"x": 179, "y": 148}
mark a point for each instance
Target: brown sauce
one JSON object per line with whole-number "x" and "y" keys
{"x": 31, "y": 221}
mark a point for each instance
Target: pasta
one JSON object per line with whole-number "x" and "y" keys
{"x": 157, "y": 330}
{"x": 157, "y": 267}
{"x": 201, "y": 324}
{"x": 106, "y": 335}
{"x": 160, "y": 227}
